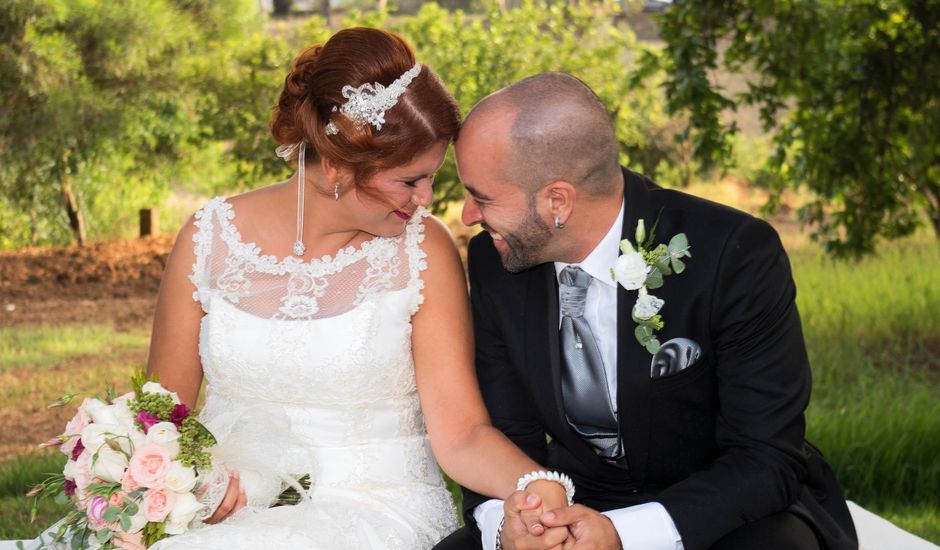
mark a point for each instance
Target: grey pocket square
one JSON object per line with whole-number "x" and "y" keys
{"x": 674, "y": 356}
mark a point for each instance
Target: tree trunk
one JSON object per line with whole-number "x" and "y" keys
{"x": 325, "y": 11}
{"x": 282, "y": 7}
{"x": 76, "y": 221}
{"x": 382, "y": 4}
{"x": 33, "y": 226}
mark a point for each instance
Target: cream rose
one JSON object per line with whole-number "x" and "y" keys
{"x": 138, "y": 520}
{"x": 166, "y": 435}
{"x": 149, "y": 465}
{"x": 180, "y": 478}
{"x": 630, "y": 270}
{"x": 182, "y": 513}
{"x": 109, "y": 464}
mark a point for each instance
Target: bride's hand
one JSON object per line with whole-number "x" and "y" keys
{"x": 553, "y": 497}
{"x": 233, "y": 501}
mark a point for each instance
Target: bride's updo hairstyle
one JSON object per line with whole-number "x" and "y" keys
{"x": 425, "y": 114}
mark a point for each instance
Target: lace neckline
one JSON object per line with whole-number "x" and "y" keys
{"x": 324, "y": 264}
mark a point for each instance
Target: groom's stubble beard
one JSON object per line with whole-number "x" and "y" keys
{"x": 526, "y": 243}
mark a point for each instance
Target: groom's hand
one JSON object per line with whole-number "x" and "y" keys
{"x": 521, "y": 511}
{"x": 589, "y": 529}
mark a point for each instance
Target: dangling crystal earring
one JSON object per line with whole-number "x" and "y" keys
{"x": 336, "y": 192}
{"x": 299, "y": 247}
{"x": 558, "y": 223}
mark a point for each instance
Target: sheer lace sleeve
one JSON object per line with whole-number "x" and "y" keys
{"x": 417, "y": 259}
{"x": 202, "y": 239}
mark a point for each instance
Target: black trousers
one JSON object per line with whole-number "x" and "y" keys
{"x": 781, "y": 531}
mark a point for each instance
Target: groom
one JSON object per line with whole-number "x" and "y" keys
{"x": 682, "y": 434}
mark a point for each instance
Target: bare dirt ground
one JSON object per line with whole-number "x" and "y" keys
{"x": 100, "y": 282}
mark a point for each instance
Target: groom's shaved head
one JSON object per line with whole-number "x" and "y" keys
{"x": 559, "y": 131}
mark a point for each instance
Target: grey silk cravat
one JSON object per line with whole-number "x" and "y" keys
{"x": 584, "y": 381}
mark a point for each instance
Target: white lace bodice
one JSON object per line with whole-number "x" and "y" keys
{"x": 320, "y": 353}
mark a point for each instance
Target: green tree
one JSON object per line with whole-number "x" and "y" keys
{"x": 850, "y": 91}
{"x": 476, "y": 55}
{"x": 97, "y": 107}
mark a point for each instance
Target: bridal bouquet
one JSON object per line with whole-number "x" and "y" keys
{"x": 133, "y": 469}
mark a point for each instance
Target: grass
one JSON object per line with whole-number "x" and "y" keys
{"x": 46, "y": 346}
{"x": 872, "y": 333}
{"x": 18, "y": 476}
{"x": 39, "y": 364}
{"x": 873, "y": 336}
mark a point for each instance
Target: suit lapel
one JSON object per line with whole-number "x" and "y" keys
{"x": 633, "y": 379}
{"x": 541, "y": 335}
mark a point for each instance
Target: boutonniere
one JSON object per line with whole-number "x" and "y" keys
{"x": 642, "y": 268}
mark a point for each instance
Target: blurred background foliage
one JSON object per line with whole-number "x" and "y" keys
{"x": 109, "y": 107}
{"x": 849, "y": 91}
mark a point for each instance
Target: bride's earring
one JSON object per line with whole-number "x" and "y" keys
{"x": 299, "y": 247}
{"x": 336, "y": 191}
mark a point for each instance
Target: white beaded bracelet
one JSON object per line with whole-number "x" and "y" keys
{"x": 557, "y": 477}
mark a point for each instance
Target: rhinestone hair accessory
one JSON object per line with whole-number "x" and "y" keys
{"x": 367, "y": 103}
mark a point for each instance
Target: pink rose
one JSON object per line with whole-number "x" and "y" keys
{"x": 158, "y": 503}
{"x": 129, "y": 541}
{"x": 95, "y": 511}
{"x": 116, "y": 498}
{"x": 79, "y": 470}
{"x": 149, "y": 464}
{"x": 74, "y": 428}
{"x": 128, "y": 483}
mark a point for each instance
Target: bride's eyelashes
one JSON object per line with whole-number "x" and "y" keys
{"x": 414, "y": 182}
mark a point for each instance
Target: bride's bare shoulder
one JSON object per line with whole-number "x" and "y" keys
{"x": 258, "y": 201}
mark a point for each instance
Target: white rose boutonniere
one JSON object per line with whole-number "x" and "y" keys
{"x": 642, "y": 268}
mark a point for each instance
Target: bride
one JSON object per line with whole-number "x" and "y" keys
{"x": 328, "y": 315}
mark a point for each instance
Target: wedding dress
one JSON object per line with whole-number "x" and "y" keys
{"x": 309, "y": 370}
{"x": 318, "y": 352}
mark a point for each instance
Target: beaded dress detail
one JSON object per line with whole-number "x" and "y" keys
{"x": 319, "y": 353}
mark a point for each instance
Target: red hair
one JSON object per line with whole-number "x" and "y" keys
{"x": 426, "y": 113}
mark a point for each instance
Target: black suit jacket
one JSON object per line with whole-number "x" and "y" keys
{"x": 718, "y": 444}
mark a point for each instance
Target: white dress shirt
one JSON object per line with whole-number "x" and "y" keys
{"x": 642, "y": 527}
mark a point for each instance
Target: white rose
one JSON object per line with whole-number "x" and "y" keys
{"x": 182, "y": 513}
{"x": 70, "y": 470}
{"x": 100, "y": 412}
{"x": 646, "y": 306}
{"x": 153, "y": 387}
{"x": 165, "y": 434}
{"x": 138, "y": 520}
{"x": 630, "y": 270}
{"x": 180, "y": 478}
{"x": 96, "y": 436}
{"x": 109, "y": 465}
{"x": 124, "y": 417}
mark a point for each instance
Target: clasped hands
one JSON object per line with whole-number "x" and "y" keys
{"x": 538, "y": 519}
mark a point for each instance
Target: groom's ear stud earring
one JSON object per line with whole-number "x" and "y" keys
{"x": 558, "y": 223}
